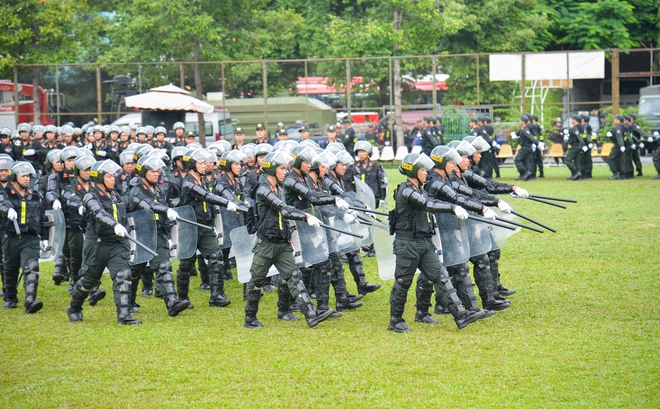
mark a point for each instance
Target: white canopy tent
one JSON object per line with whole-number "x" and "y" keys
{"x": 168, "y": 98}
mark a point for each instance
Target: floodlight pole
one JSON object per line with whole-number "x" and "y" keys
{"x": 522, "y": 84}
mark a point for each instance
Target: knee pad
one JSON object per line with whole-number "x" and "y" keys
{"x": 165, "y": 266}
{"x": 124, "y": 275}
{"x": 216, "y": 257}
{"x": 258, "y": 282}
{"x": 32, "y": 265}
{"x": 494, "y": 255}
{"x": 186, "y": 266}
{"x": 88, "y": 284}
{"x": 296, "y": 275}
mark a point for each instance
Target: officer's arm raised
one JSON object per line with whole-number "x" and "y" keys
{"x": 95, "y": 208}
{"x": 430, "y": 205}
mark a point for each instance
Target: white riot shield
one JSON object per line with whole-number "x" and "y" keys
{"x": 243, "y": 243}
{"x": 184, "y": 235}
{"x": 499, "y": 235}
{"x": 141, "y": 227}
{"x": 295, "y": 242}
{"x": 479, "y": 237}
{"x": 454, "y": 238}
{"x": 364, "y": 193}
{"x": 56, "y": 235}
{"x": 337, "y": 242}
{"x": 313, "y": 241}
{"x": 361, "y": 229}
{"x": 383, "y": 244}
{"x": 230, "y": 221}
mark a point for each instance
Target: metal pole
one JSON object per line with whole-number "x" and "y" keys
{"x": 182, "y": 83}
{"x": 264, "y": 74}
{"x": 224, "y": 108}
{"x": 16, "y": 104}
{"x": 434, "y": 92}
{"x": 568, "y": 88}
{"x": 478, "y": 99}
{"x": 615, "y": 82}
{"x": 99, "y": 107}
{"x": 140, "y": 79}
{"x": 522, "y": 85}
{"x": 306, "y": 96}
{"x": 57, "y": 92}
{"x": 391, "y": 86}
{"x": 348, "y": 87}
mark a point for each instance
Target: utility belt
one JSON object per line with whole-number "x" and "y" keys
{"x": 414, "y": 236}
{"x": 261, "y": 238}
{"x": 105, "y": 239}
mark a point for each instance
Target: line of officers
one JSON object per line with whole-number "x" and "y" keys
{"x": 628, "y": 138}
{"x": 95, "y": 193}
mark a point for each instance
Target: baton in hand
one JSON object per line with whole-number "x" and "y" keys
{"x": 201, "y": 226}
{"x": 488, "y": 221}
{"x": 558, "y": 199}
{"x": 350, "y": 233}
{"x": 147, "y": 249}
{"x": 546, "y": 202}
{"x": 368, "y": 211}
{"x": 17, "y": 228}
{"x": 364, "y": 220}
{"x": 524, "y": 226}
{"x": 536, "y": 222}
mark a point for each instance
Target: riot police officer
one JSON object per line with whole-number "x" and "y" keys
{"x": 105, "y": 244}
{"x": 349, "y": 138}
{"x": 24, "y": 225}
{"x": 575, "y": 147}
{"x": 148, "y": 195}
{"x": 5, "y": 165}
{"x": 273, "y": 246}
{"x": 413, "y": 247}
{"x": 524, "y": 158}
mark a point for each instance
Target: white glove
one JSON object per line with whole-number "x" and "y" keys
{"x": 101, "y": 153}
{"x": 584, "y": 149}
{"x": 533, "y": 148}
{"x": 172, "y": 215}
{"x": 489, "y": 214}
{"x": 313, "y": 221}
{"x": 89, "y": 146}
{"x": 170, "y": 244}
{"x": 44, "y": 245}
{"x": 656, "y": 134}
{"x": 29, "y": 152}
{"x": 12, "y": 215}
{"x": 460, "y": 213}
{"x": 232, "y": 207}
{"x": 57, "y": 205}
{"x": 541, "y": 146}
{"x": 565, "y": 131}
{"x": 565, "y": 138}
{"x": 623, "y": 149}
{"x": 520, "y": 192}
{"x": 494, "y": 144}
{"x": 650, "y": 140}
{"x": 609, "y": 134}
{"x": 120, "y": 230}
{"x": 341, "y": 204}
{"x": 349, "y": 218}
{"x": 633, "y": 146}
{"x": 82, "y": 210}
{"x": 382, "y": 205}
{"x": 17, "y": 142}
{"x": 641, "y": 145}
{"x": 504, "y": 207}
{"x": 594, "y": 134}
{"x": 514, "y": 135}
{"x": 591, "y": 146}
{"x": 498, "y": 146}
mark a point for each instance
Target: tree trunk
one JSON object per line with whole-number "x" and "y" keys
{"x": 198, "y": 93}
{"x": 396, "y": 23}
{"x": 36, "y": 97}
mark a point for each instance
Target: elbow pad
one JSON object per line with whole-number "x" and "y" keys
{"x": 321, "y": 199}
{"x": 268, "y": 197}
{"x": 215, "y": 199}
{"x": 469, "y": 204}
{"x": 414, "y": 197}
{"x": 462, "y": 189}
{"x": 474, "y": 180}
{"x": 437, "y": 206}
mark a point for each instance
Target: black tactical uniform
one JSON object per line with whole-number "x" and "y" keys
{"x": 524, "y": 157}
{"x": 22, "y": 250}
{"x": 573, "y": 155}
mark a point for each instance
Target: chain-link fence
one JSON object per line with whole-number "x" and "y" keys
{"x": 318, "y": 92}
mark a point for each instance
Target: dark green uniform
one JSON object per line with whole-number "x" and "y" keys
{"x": 573, "y": 155}
{"x": 143, "y": 197}
{"x": 101, "y": 249}
{"x": 414, "y": 250}
{"x": 22, "y": 251}
{"x": 616, "y": 159}
{"x": 524, "y": 158}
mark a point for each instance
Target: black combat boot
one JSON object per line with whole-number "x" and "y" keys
{"x": 166, "y": 283}
{"x": 312, "y": 316}
{"x": 343, "y": 302}
{"x": 321, "y": 276}
{"x": 204, "y": 274}
{"x": 123, "y": 299}
{"x": 218, "y": 297}
{"x": 11, "y": 292}
{"x": 615, "y": 176}
{"x": 31, "y": 284}
{"x": 79, "y": 293}
{"x": 449, "y": 299}
{"x": 96, "y": 296}
{"x": 460, "y": 278}
{"x": 254, "y": 294}
{"x": 398, "y": 298}
{"x": 147, "y": 281}
{"x": 284, "y": 304}
{"x": 183, "y": 280}
{"x": 59, "y": 272}
{"x": 424, "y": 292}
{"x": 356, "y": 267}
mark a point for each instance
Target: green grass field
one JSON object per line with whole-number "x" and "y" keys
{"x": 583, "y": 331}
